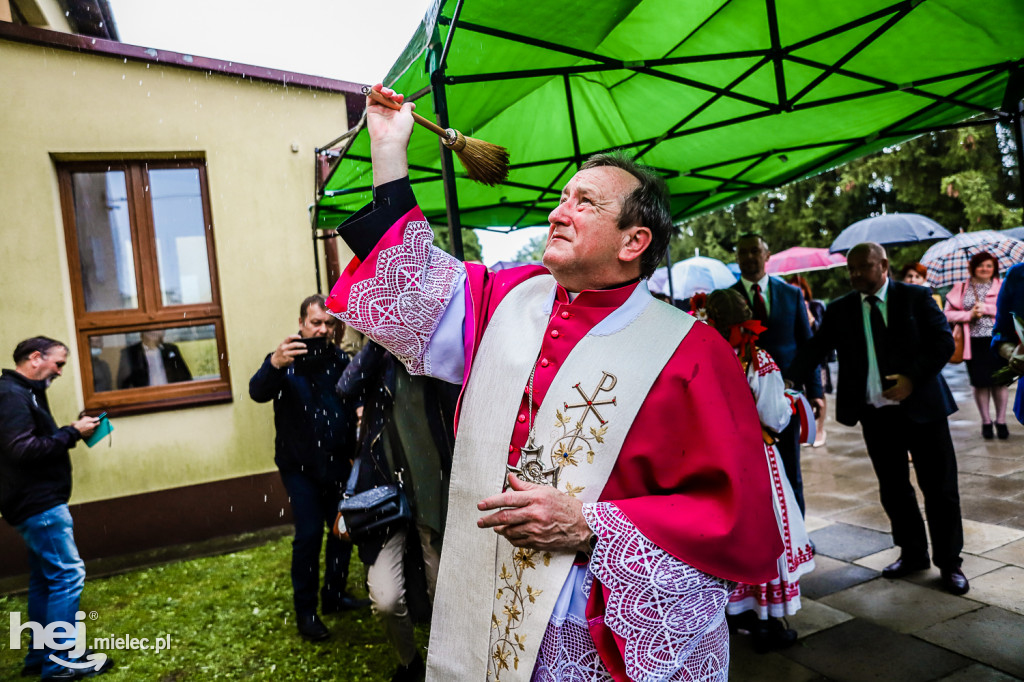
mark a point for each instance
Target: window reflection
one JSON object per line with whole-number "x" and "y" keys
{"x": 104, "y": 241}
{"x": 154, "y": 357}
{"x": 180, "y": 236}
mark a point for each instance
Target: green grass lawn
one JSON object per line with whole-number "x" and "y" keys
{"x": 229, "y": 617}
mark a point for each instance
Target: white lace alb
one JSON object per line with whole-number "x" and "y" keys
{"x": 670, "y": 614}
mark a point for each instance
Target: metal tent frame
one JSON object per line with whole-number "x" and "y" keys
{"x": 742, "y": 90}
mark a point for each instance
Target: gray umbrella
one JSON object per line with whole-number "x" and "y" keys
{"x": 889, "y": 228}
{"x": 1014, "y": 233}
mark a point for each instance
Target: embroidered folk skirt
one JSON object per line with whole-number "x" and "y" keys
{"x": 780, "y": 597}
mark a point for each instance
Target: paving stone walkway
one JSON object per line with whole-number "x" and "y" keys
{"x": 856, "y": 625}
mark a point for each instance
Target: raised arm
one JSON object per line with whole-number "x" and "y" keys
{"x": 389, "y": 131}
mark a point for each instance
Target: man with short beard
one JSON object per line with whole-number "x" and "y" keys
{"x": 35, "y": 486}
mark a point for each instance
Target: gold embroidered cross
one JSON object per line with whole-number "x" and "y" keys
{"x": 591, "y": 403}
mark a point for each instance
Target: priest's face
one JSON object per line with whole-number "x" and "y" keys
{"x": 584, "y": 239}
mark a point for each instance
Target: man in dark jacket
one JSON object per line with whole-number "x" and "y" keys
{"x": 35, "y": 485}
{"x": 151, "y": 362}
{"x": 892, "y": 342}
{"x": 313, "y": 450}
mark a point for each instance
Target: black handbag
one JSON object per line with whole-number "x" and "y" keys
{"x": 374, "y": 512}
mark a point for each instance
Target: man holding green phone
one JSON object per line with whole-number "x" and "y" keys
{"x": 35, "y": 485}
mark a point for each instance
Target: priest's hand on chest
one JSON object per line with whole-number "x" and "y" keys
{"x": 537, "y": 517}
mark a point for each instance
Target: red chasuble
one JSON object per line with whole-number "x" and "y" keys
{"x": 691, "y": 474}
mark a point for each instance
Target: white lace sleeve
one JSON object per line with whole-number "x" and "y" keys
{"x": 671, "y": 615}
{"x": 401, "y": 305}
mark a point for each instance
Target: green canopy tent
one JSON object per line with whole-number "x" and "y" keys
{"x": 726, "y": 98}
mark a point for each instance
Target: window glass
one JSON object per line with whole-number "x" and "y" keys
{"x": 181, "y": 249}
{"x": 104, "y": 241}
{"x": 154, "y": 357}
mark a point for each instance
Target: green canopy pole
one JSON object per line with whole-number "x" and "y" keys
{"x": 315, "y": 217}
{"x": 668, "y": 271}
{"x": 451, "y": 198}
{"x": 1018, "y": 134}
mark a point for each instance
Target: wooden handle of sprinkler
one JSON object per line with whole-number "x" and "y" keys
{"x": 391, "y": 104}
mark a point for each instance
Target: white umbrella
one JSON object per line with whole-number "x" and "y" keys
{"x": 700, "y": 274}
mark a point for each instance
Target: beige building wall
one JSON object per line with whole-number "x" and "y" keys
{"x": 69, "y": 105}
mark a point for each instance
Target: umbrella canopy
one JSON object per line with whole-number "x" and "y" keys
{"x": 1014, "y": 232}
{"x": 889, "y": 228}
{"x": 803, "y": 259}
{"x": 726, "y": 98}
{"x": 947, "y": 261}
{"x": 658, "y": 283}
{"x": 700, "y": 274}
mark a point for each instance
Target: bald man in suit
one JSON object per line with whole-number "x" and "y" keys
{"x": 893, "y": 341}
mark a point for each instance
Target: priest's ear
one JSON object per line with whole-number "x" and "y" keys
{"x": 635, "y": 241}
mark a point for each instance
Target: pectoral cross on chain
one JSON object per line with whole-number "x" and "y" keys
{"x": 531, "y": 468}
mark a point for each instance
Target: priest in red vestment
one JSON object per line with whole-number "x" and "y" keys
{"x": 609, "y": 483}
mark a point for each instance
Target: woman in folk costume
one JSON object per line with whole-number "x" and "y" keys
{"x": 728, "y": 312}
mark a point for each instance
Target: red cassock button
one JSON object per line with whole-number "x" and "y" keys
{"x": 522, "y": 418}
{"x": 554, "y": 333}
{"x": 544, "y": 362}
{"x": 565, "y": 314}
{"x": 511, "y": 448}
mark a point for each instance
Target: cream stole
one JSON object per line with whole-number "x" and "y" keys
{"x": 493, "y": 600}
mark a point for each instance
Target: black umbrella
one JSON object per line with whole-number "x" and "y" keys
{"x": 889, "y": 228}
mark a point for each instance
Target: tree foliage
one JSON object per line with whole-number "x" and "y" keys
{"x": 964, "y": 179}
{"x": 534, "y": 249}
{"x": 470, "y": 244}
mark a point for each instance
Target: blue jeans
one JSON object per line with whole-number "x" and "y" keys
{"x": 314, "y": 507}
{"x": 56, "y": 576}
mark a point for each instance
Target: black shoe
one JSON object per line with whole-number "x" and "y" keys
{"x": 346, "y": 603}
{"x": 954, "y": 581}
{"x": 312, "y": 628}
{"x": 1002, "y": 432}
{"x": 986, "y": 431}
{"x": 80, "y": 673}
{"x": 773, "y": 635}
{"x": 414, "y": 672}
{"x": 903, "y": 567}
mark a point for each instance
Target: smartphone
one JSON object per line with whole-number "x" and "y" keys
{"x": 102, "y": 416}
{"x": 315, "y": 346}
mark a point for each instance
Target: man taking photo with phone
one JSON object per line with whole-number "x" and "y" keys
{"x": 313, "y": 448}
